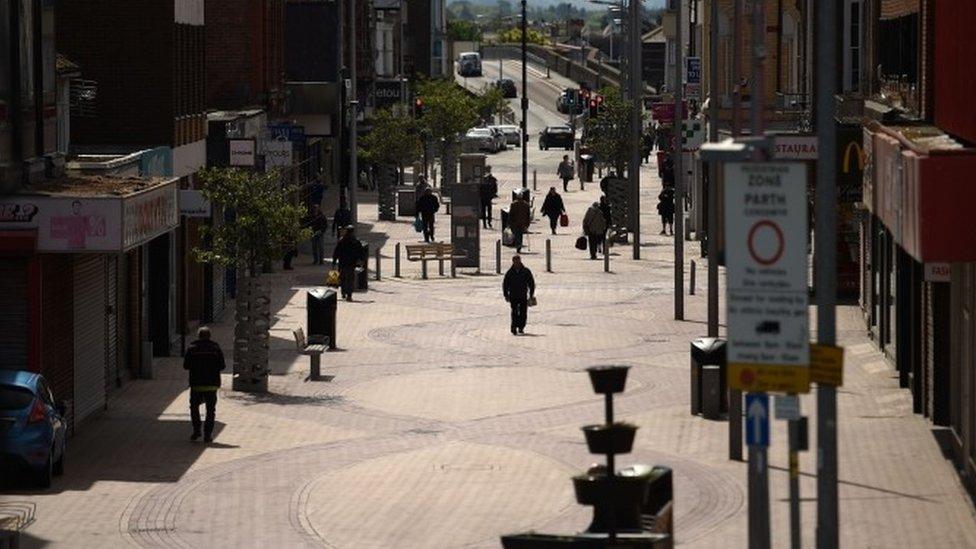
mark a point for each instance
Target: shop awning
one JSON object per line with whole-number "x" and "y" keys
{"x": 94, "y": 213}
{"x": 893, "y": 9}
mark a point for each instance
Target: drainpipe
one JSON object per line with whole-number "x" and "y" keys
{"x": 38, "y": 60}
{"x": 16, "y": 123}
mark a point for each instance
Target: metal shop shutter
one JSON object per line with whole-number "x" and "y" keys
{"x": 112, "y": 320}
{"x": 89, "y": 328}
{"x": 14, "y": 319}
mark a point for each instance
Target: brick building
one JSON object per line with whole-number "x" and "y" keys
{"x": 245, "y": 54}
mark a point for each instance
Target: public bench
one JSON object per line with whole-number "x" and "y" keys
{"x": 434, "y": 251}
{"x": 313, "y": 350}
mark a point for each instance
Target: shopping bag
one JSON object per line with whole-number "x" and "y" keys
{"x": 418, "y": 225}
{"x": 533, "y": 302}
{"x": 581, "y": 243}
{"x": 332, "y": 279}
{"x": 564, "y": 220}
{"x": 507, "y": 237}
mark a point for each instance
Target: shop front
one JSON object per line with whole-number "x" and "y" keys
{"x": 75, "y": 262}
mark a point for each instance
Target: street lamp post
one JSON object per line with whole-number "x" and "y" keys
{"x": 636, "y": 93}
{"x": 353, "y": 107}
{"x": 525, "y": 103}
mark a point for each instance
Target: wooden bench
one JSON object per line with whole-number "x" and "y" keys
{"x": 314, "y": 350}
{"x": 435, "y": 251}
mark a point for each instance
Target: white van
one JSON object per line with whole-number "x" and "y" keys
{"x": 469, "y": 63}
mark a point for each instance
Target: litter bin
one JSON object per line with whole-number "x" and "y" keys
{"x": 362, "y": 273}
{"x": 320, "y": 306}
{"x": 586, "y": 168}
{"x": 406, "y": 201}
{"x": 710, "y": 351}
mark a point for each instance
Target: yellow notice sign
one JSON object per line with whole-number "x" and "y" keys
{"x": 772, "y": 378}
{"x": 826, "y": 365}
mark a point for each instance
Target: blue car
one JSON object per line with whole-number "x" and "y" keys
{"x": 32, "y": 426}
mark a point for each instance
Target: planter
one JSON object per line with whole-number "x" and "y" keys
{"x": 608, "y": 379}
{"x": 617, "y": 438}
{"x": 619, "y": 492}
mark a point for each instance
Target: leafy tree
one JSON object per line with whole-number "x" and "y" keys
{"x": 608, "y": 133}
{"x": 514, "y": 34}
{"x": 393, "y": 141}
{"x": 491, "y": 102}
{"x": 464, "y": 31}
{"x": 448, "y": 112}
{"x": 265, "y": 222}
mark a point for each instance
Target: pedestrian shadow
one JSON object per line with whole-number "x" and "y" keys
{"x": 122, "y": 446}
{"x": 283, "y": 399}
{"x": 325, "y": 378}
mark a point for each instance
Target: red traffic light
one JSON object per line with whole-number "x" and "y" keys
{"x": 599, "y": 100}
{"x": 593, "y": 103}
{"x": 419, "y": 102}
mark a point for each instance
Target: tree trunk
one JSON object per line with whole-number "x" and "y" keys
{"x": 449, "y": 164}
{"x": 253, "y": 320}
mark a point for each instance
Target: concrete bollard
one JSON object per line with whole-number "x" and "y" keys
{"x": 691, "y": 283}
{"x": 440, "y": 267}
{"x": 377, "y": 264}
{"x": 498, "y": 256}
{"x": 606, "y": 254}
{"x": 534, "y": 180}
{"x": 548, "y": 255}
{"x": 396, "y": 261}
{"x": 453, "y": 269}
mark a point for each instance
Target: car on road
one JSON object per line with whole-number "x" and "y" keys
{"x": 479, "y": 139}
{"x": 469, "y": 63}
{"x": 507, "y": 85}
{"x": 513, "y": 134}
{"x": 556, "y": 136}
{"x": 32, "y": 426}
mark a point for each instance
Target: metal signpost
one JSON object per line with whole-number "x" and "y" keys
{"x": 679, "y": 190}
{"x": 757, "y": 438}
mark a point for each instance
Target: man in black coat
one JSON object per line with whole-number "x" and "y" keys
{"x": 518, "y": 287}
{"x": 487, "y": 191}
{"x": 347, "y": 255}
{"x": 204, "y": 360}
{"x": 342, "y": 216}
{"x": 427, "y": 206}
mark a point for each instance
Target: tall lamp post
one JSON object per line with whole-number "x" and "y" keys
{"x": 353, "y": 107}
{"x": 525, "y": 103}
{"x": 636, "y": 97}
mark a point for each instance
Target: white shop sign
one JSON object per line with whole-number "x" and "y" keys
{"x": 277, "y": 154}
{"x": 194, "y": 204}
{"x": 241, "y": 152}
{"x": 766, "y": 254}
{"x": 938, "y": 272}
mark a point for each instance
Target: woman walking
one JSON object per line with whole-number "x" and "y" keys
{"x": 553, "y": 208}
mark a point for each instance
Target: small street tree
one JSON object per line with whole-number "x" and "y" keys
{"x": 491, "y": 102}
{"x": 393, "y": 141}
{"x": 448, "y": 112}
{"x": 264, "y": 222}
{"x": 608, "y": 133}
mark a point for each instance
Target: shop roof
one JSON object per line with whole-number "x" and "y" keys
{"x": 96, "y": 186}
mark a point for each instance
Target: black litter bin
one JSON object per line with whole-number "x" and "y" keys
{"x": 320, "y": 305}
{"x": 362, "y": 273}
{"x": 708, "y": 351}
{"x": 586, "y": 168}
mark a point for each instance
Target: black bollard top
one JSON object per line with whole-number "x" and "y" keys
{"x": 608, "y": 379}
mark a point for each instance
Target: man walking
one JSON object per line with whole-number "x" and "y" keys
{"x": 518, "y": 288}
{"x": 342, "y": 217}
{"x": 566, "y": 172}
{"x": 594, "y": 227}
{"x": 553, "y": 208}
{"x": 487, "y": 190}
{"x": 346, "y": 256}
{"x": 319, "y": 224}
{"x": 204, "y": 361}
{"x": 427, "y": 206}
{"x": 519, "y": 217}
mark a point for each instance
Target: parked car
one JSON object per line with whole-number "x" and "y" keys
{"x": 469, "y": 63}
{"x": 479, "y": 139}
{"x": 507, "y": 85}
{"x": 32, "y": 426}
{"x": 556, "y": 136}
{"x": 501, "y": 142}
{"x": 513, "y": 134}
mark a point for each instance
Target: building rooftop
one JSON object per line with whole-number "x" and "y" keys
{"x": 96, "y": 185}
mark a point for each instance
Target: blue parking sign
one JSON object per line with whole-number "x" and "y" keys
{"x": 757, "y": 419}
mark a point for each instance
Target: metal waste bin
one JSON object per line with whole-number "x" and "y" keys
{"x": 586, "y": 168}
{"x": 362, "y": 273}
{"x": 320, "y": 305}
{"x": 407, "y": 200}
{"x": 708, "y": 351}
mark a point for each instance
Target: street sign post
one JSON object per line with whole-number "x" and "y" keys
{"x": 766, "y": 255}
{"x": 787, "y": 407}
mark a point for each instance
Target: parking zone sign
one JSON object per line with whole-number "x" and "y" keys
{"x": 766, "y": 256}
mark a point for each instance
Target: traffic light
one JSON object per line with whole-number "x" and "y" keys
{"x": 418, "y": 107}
{"x": 599, "y": 102}
{"x": 593, "y": 108}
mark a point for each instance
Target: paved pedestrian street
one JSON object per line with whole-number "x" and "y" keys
{"x": 435, "y": 427}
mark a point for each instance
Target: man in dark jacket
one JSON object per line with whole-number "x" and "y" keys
{"x": 518, "y": 287}
{"x": 487, "y": 191}
{"x": 347, "y": 255}
{"x": 319, "y": 224}
{"x": 519, "y": 218}
{"x": 427, "y": 206}
{"x": 204, "y": 361}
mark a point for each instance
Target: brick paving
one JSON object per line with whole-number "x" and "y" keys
{"x": 440, "y": 429}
